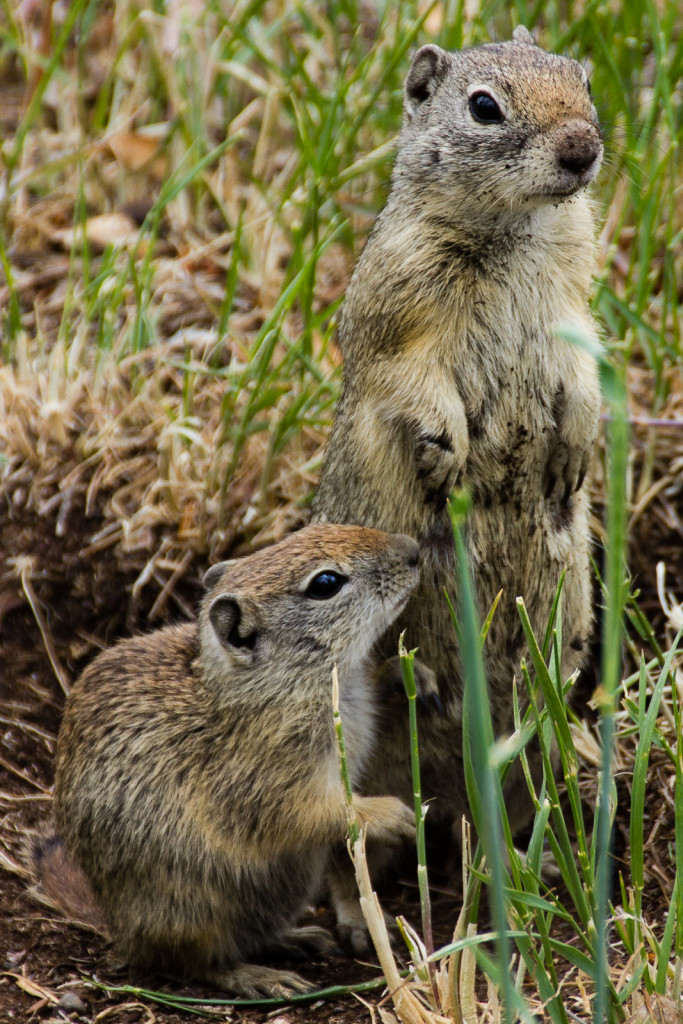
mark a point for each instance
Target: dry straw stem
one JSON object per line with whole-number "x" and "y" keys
{"x": 138, "y": 1008}
{"x": 409, "y": 1008}
{"x": 457, "y": 976}
{"x": 24, "y": 568}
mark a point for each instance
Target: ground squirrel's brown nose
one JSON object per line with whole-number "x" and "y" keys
{"x": 578, "y": 147}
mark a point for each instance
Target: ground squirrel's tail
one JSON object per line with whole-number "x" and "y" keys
{"x": 60, "y": 882}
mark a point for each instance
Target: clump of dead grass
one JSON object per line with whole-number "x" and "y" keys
{"x": 136, "y": 445}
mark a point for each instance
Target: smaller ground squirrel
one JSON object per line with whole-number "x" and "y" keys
{"x": 455, "y": 375}
{"x": 197, "y": 787}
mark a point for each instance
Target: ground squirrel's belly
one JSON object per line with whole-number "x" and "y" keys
{"x": 520, "y": 539}
{"x": 523, "y": 531}
{"x": 522, "y": 555}
{"x": 521, "y": 551}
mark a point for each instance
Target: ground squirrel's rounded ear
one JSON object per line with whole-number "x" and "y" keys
{"x": 429, "y": 66}
{"x": 523, "y": 36}
{"x": 233, "y": 623}
{"x": 214, "y": 573}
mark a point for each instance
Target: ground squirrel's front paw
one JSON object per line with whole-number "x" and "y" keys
{"x": 391, "y": 691}
{"x": 565, "y": 470}
{"x": 438, "y": 467}
{"x": 385, "y": 817}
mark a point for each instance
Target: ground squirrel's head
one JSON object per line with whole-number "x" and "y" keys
{"x": 321, "y": 596}
{"x": 504, "y": 125}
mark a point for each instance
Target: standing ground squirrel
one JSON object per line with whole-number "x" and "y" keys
{"x": 454, "y": 376}
{"x": 197, "y": 787}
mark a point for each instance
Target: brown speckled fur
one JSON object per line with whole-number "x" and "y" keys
{"x": 197, "y": 783}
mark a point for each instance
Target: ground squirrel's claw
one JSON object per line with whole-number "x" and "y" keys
{"x": 430, "y": 702}
{"x": 392, "y": 692}
{"x": 585, "y": 462}
{"x": 427, "y": 688}
{"x": 550, "y": 482}
{"x": 425, "y": 679}
{"x": 436, "y": 464}
{"x": 568, "y": 466}
{"x": 251, "y": 981}
{"x": 291, "y": 985}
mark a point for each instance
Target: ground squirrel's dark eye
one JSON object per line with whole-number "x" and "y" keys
{"x": 325, "y": 584}
{"x": 484, "y": 109}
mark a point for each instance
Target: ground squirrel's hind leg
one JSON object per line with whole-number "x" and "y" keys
{"x": 353, "y": 932}
{"x": 351, "y": 927}
{"x": 252, "y": 981}
{"x": 302, "y": 943}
